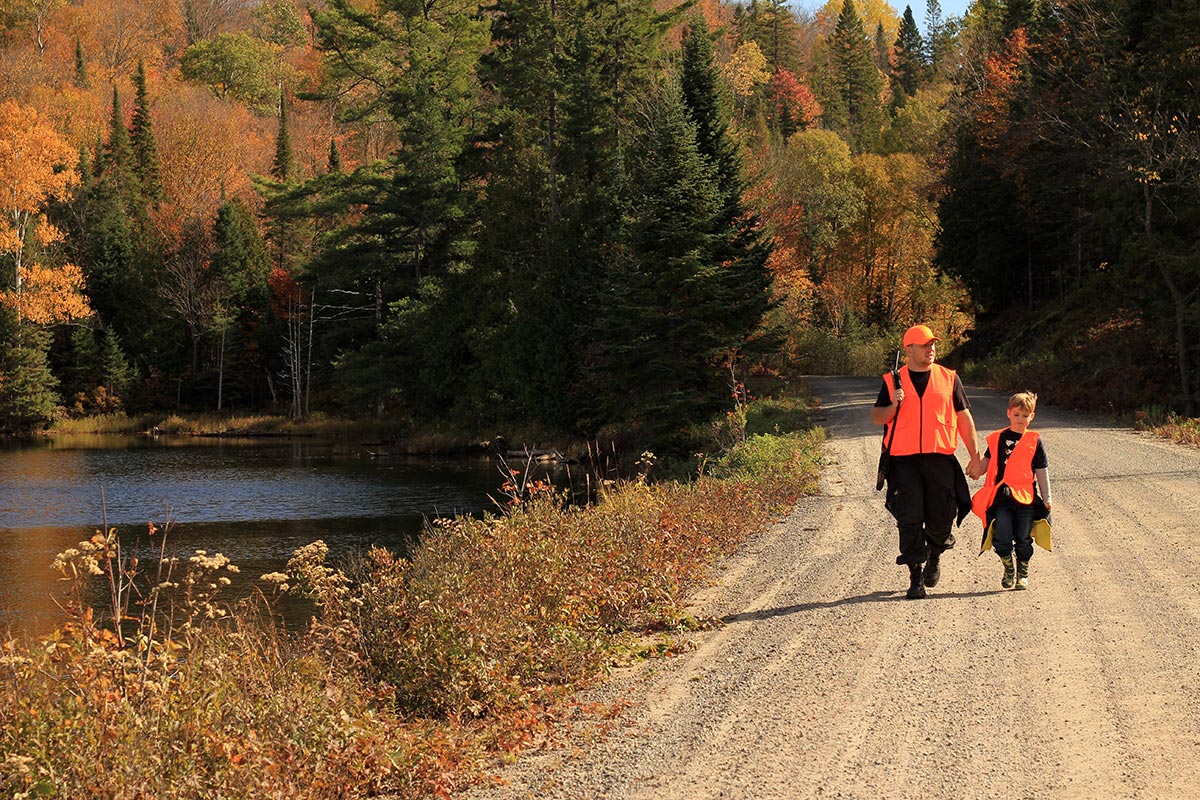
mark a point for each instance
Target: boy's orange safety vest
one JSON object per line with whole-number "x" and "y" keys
{"x": 928, "y": 423}
{"x": 1018, "y": 473}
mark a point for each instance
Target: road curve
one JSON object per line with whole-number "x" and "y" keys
{"x": 824, "y": 682}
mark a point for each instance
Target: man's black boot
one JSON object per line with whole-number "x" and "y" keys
{"x": 915, "y": 590}
{"x": 933, "y": 570}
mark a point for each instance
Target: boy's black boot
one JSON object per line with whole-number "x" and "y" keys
{"x": 933, "y": 570}
{"x": 915, "y": 589}
{"x": 1006, "y": 582}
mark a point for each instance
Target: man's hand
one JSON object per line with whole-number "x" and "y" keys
{"x": 975, "y": 468}
{"x": 898, "y": 396}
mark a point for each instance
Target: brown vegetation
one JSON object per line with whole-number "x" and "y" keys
{"x": 414, "y": 673}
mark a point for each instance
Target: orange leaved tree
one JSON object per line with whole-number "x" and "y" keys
{"x": 36, "y": 166}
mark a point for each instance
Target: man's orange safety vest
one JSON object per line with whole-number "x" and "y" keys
{"x": 1018, "y": 473}
{"x": 926, "y": 423}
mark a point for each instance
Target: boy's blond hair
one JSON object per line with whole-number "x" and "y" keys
{"x": 1026, "y": 401}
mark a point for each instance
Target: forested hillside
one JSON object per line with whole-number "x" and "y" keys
{"x": 585, "y": 214}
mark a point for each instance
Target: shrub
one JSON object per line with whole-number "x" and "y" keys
{"x": 412, "y": 669}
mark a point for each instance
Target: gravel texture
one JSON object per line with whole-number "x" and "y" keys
{"x": 824, "y": 682}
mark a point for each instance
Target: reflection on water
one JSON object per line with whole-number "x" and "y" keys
{"x": 254, "y": 500}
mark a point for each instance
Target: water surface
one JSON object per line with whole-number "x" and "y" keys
{"x": 255, "y": 500}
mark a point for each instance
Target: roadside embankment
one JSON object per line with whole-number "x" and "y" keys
{"x": 415, "y": 673}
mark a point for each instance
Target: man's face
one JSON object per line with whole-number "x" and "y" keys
{"x": 921, "y": 356}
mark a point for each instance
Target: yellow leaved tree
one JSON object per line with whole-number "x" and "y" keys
{"x": 35, "y": 167}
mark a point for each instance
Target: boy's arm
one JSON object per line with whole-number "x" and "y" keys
{"x": 1043, "y": 482}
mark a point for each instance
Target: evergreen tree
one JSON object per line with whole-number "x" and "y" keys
{"x": 27, "y": 385}
{"x": 118, "y": 247}
{"x": 284, "y": 226}
{"x": 773, "y": 26}
{"x": 567, "y": 72}
{"x": 80, "y": 373}
{"x": 1021, "y": 14}
{"x": 283, "y": 166}
{"x": 420, "y": 225}
{"x": 856, "y": 81}
{"x": 882, "y": 53}
{"x": 116, "y": 374}
{"x": 81, "y": 76}
{"x": 249, "y": 333}
{"x": 938, "y": 37}
{"x": 335, "y": 156}
{"x": 909, "y": 68}
{"x": 661, "y": 337}
{"x": 118, "y": 169}
{"x": 145, "y": 151}
{"x": 240, "y": 256}
{"x": 740, "y": 246}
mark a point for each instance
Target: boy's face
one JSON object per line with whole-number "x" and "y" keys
{"x": 1019, "y": 418}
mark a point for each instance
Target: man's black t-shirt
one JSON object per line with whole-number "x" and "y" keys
{"x": 920, "y": 380}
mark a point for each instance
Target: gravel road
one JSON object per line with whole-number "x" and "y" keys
{"x": 824, "y": 682}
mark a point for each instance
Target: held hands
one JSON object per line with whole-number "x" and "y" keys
{"x": 898, "y": 397}
{"x": 975, "y": 468}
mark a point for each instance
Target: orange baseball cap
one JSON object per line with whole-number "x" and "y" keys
{"x": 919, "y": 334}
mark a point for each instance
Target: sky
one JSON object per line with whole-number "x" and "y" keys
{"x": 950, "y": 8}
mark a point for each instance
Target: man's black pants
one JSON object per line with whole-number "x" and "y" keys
{"x": 921, "y": 497}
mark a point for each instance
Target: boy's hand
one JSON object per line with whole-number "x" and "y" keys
{"x": 975, "y": 468}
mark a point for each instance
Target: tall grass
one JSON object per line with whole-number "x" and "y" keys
{"x": 414, "y": 671}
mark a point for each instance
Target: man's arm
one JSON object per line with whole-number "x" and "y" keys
{"x": 883, "y": 414}
{"x": 966, "y": 431}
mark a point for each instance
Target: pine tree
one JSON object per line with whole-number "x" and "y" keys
{"x": 116, "y": 374}
{"x": 937, "y": 37}
{"x": 739, "y": 244}
{"x": 27, "y": 385}
{"x": 422, "y": 223}
{"x": 81, "y": 76}
{"x": 80, "y": 374}
{"x": 249, "y": 332}
{"x": 772, "y": 25}
{"x": 659, "y": 336}
{"x": 283, "y": 226}
{"x": 118, "y": 245}
{"x": 1021, "y": 14}
{"x": 335, "y": 157}
{"x": 117, "y": 171}
{"x": 240, "y": 256}
{"x": 142, "y": 140}
{"x": 909, "y": 67}
{"x": 882, "y": 54}
{"x": 284, "y": 165}
{"x": 856, "y": 79}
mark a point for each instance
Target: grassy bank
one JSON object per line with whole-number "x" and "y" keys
{"x": 415, "y": 674}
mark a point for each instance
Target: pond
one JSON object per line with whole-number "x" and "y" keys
{"x": 253, "y": 499}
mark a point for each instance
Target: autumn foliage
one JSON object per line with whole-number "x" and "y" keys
{"x": 35, "y": 169}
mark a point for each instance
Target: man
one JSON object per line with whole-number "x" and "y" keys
{"x": 927, "y": 492}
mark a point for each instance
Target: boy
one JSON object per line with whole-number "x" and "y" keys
{"x": 1013, "y": 462}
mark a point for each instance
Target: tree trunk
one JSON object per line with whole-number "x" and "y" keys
{"x": 221, "y": 371}
{"x": 1178, "y": 304}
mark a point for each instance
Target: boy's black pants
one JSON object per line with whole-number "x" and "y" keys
{"x": 921, "y": 497}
